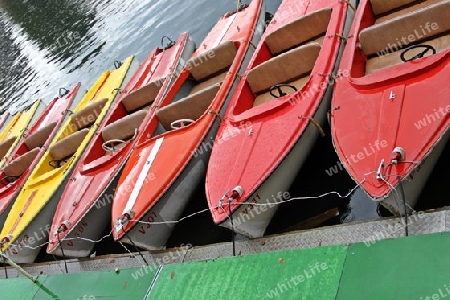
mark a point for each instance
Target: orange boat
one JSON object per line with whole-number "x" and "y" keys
{"x": 30, "y": 149}
{"x": 98, "y": 170}
{"x": 390, "y": 117}
{"x": 165, "y": 168}
{"x": 274, "y": 118}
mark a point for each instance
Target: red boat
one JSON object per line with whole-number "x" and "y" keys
{"x": 95, "y": 176}
{"x": 390, "y": 117}
{"x": 167, "y": 165}
{"x": 4, "y": 118}
{"x": 274, "y": 117}
{"x": 30, "y": 149}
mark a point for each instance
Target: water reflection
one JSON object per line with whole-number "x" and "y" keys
{"x": 56, "y": 26}
{"x": 9, "y": 64}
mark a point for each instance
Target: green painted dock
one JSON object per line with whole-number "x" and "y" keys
{"x": 416, "y": 267}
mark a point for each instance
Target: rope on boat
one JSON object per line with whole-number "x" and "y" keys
{"x": 402, "y": 194}
{"x": 213, "y": 112}
{"x": 137, "y": 249}
{"x": 338, "y": 194}
{"x": 62, "y": 252}
{"x": 312, "y": 120}
{"x": 153, "y": 283}
{"x": 252, "y": 44}
{"x": 131, "y": 253}
{"x": 57, "y": 263}
{"x": 352, "y": 7}
{"x": 4, "y": 265}
{"x": 233, "y": 237}
{"x": 193, "y": 215}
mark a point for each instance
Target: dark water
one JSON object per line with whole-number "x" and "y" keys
{"x": 50, "y": 44}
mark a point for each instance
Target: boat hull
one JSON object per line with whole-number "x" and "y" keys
{"x": 55, "y": 113}
{"x": 386, "y": 136}
{"x": 262, "y": 161}
{"x": 252, "y": 220}
{"x": 29, "y": 243}
{"x": 36, "y": 204}
{"x": 19, "y": 128}
{"x": 150, "y": 236}
{"x": 169, "y": 206}
{"x": 78, "y": 240}
{"x": 413, "y": 185}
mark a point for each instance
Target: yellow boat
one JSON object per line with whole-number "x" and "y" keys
{"x": 11, "y": 134}
{"x": 27, "y": 226}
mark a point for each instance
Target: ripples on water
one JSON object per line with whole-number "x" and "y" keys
{"x": 50, "y": 44}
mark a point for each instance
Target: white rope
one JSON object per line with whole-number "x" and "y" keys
{"x": 255, "y": 204}
{"x": 208, "y": 209}
{"x": 190, "y": 216}
{"x": 132, "y": 255}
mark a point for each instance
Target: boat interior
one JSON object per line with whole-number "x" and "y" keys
{"x": 73, "y": 135}
{"x": 25, "y": 154}
{"x": 207, "y": 73}
{"x": 125, "y": 120}
{"x": 399, "y": 31}
{"x": 5, "y": 145}
{"x": 284, "y": 62}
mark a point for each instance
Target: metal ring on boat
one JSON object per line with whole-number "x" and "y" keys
{"x": 417, "y": 56}
{"x": 181, "y": 122}
{"x": 111, "y": 149}
{"x": 169, "y": 44}
{"x": 63, "y": 92}
{"x": 280, "y": 91}
{"x": 117, "y": 64}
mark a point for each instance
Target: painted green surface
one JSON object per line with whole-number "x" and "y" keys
{"x": 18, "y": 288}
{"x": 408, "y": 268}
{"x": 126, "y": 284}
{"x": 264, "y": 276}
{"x": 417, "y": 267}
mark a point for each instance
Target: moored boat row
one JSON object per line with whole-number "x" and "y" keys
{"x": 239, "y": 114}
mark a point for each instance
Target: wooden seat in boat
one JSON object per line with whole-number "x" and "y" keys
{"x": 210, "y": 70}
{"x": 191, "y": 107}
{"x": 144, "y": 96}
{"x": 376, "y": 63}
{"x": 383, "y": 38}
{"x": 68, "y": 145}
{"x": 380, "y": 7}
{"x": 292, "y": 67}
{"x": 39, "y": 138}
{"x": 387, "y": 10}
{"x": 310, "y": 27}
{"x": 379, "y": 37}
{"x": 207, "y": 83}
{"x": 19, "y": 165}
{"x": 295, "y": 47}
{"x": 124, "y": 128}
{"x": 89, "y": 114}
{"x": 212, "y": 62}
{"x": 6, "y": 145}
